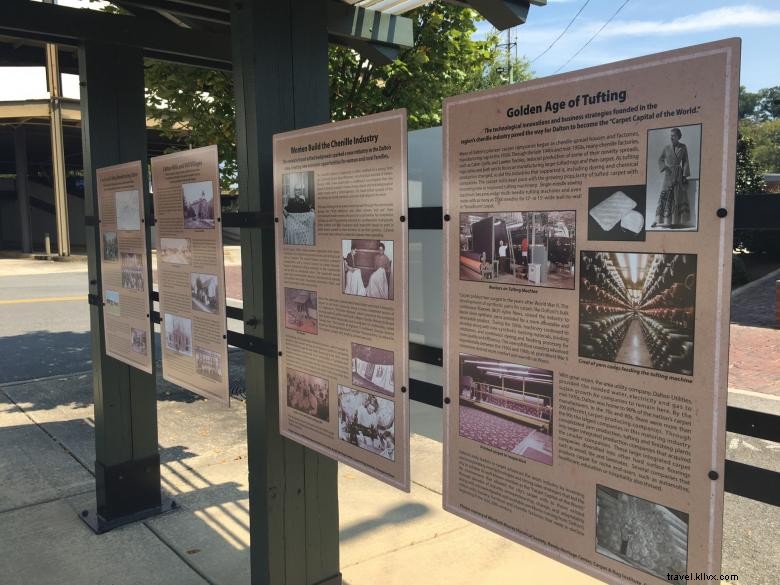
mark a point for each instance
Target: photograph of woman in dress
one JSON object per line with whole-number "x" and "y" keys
{"x": 673, "y": 177}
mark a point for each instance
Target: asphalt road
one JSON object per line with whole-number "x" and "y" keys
{"x": 44, "y": 325}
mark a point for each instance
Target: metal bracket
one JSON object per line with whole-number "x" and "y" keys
{"x": 248, "y": 219}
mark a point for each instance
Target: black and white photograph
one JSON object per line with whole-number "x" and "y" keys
{"x": 617, "y": 213}
{"x": 641, "y": 534}
{"x": 132, "y": 271}
{"x": 308, "y": 394}
{"x": 367, "y": 270}
{"x": 198, "y": 205}
{"x": 507, "y": 406}
{"x": 208, "y": 364}
{"x": 112, "y": 303}
{"x": 300, "y": 310}
{"x": 110, "y": 247}
{"x": 176, "y": 251}
{"x": 138, "y": 340}
{"x": 367, "y": 421}
{"x": 530, "y": 248}
{"x": 638, "y": 309}
{"x": 204, "y": 289}
{"x": 373, "y": 368}
{"x": 128, "y": 211}
{"x": 178, "y": 334}
{"x": 673, "y": 173}
{"x": 299, "y": 224}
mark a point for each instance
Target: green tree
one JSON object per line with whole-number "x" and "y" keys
{"x": 761, "y": 105}
{"x": 749, "y": 177}
{"x": 445, "y": 60}
{"x": 747, "y": 103}
{"x": 766, "y": 139}
{"x": 196, "y": 105}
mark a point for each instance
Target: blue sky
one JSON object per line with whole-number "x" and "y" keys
{"x": 649, "y": 26}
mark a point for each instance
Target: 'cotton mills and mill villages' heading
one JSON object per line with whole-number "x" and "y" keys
{"x": 325, "y": 144}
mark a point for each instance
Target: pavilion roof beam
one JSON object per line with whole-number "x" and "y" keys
{"x": 503, "y": 14}
{"x": 377, "y": 36}
{"x": 70, "y": 26}
{"x": 190, "y": 10}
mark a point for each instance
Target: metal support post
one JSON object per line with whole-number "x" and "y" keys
{"x": 280, "y": 64}
{"x": 127, "y": 465}
{"x": 22, "y": 192}
{"x": 59, "y": 187}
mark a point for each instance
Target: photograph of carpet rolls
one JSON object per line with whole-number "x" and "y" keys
{"x": 638, "y": 309}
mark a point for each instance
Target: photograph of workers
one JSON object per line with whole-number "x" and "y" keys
{"x": 507, "y": 406}
{"x": 300, "y": 310}
{"x": 642, "y": 534}
{"x": 298, "y": 225}
{"x": 673, "y": 172}
{"x": 308, "y": 394}
{"x": 373, "y": 368}
{"x": 367, "y": 270}
{"x": 367, "y": 421}
{"x": 638, "y": 309}
{"x": 535, "y": 248}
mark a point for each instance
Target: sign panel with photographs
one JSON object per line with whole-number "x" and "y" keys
{"x": 190, "y": 264}
{"x": 341, "y": 275}
{"x": 123, "y": 265}
{"x": 587, "y": 287}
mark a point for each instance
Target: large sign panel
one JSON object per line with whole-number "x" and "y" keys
{"x": 587, "y": 295}
{"x": 123, "y": 265}
{"x": 190, "y": 264}
{"x": 341, "y": 203}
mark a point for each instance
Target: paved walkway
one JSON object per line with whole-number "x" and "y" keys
{"x": 754, "y": 353}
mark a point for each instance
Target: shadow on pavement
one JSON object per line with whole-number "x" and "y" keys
{"x": 39, "y": 354}
{"x": 44, "y": 354}
{"x": 397, "y": 515}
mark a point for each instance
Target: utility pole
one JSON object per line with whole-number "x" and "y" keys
{"x": 509, "y": 45}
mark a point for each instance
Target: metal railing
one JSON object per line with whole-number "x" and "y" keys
{"x": 741, "y": 479}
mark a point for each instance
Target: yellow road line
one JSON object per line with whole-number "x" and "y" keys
{"x": 44, "y": 300}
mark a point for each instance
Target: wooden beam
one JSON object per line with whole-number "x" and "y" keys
{"x": 503, "y": 14}
{"x": 352, "y": 23}
{"x": 71, "y": 26}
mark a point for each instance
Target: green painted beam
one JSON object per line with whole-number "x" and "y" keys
{"x": 293, "y": 491}
{"x": 352, "y": 23}
{"x": 127, "y": 460}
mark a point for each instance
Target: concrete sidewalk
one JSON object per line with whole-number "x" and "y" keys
{"x": 388, "y": 537}
{"x": 46, "y": 459}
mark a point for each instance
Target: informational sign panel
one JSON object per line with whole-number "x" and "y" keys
{"x": 341, "y": 241}
{"x": 588, "y": 261}
{"x": 123, "y": 265}
{"x": 191, "y": 269}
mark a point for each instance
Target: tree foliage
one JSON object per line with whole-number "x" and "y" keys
{"x": 196, "y": 105}
{"x": 759, "y": 106}
{"x": 749, "y": 176}
{"x": 445, "y": 60}
{"x": 766, "y": 139}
